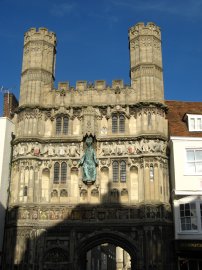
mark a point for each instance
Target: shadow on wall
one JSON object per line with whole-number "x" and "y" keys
{"x": 9, "y": 242}
{"x": 59, "y": 236}
{"x": 2, "y": 223}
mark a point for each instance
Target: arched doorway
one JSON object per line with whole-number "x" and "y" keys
{"x": 98, "y": 238}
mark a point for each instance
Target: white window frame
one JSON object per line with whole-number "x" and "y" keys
{"x": 188, "y": 214}
{"x": 189, "y": 200}
{"x": 194, "y": 118}
{"x": 195, "y": 161}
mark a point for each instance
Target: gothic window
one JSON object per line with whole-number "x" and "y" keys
{"x": 149, "y": 120}
{"x": 115, "y": 168}
{"x": 58, "y": 125}
{"x": 83, "y": 193}
{"x": 94, "y": 193}
{"x": 118, "y": 123}
{"x": 123, "y": 171}
{"x": 114, "y": 123}
{"x": 115, "y": 195}
{"x": 124, "y": 192}
{"x": 54, "y": 193}
{"x": 151, "y": 172}
{"x": 56, "y": 173}
{"x": 60, "y": 173}
{"x": 25, "y": 191}
{"x": 119, "y": 171}
{"x": 65, "y": 125}
{"x": 121, "y": 123}
{"x": 63, "y": 172}
{"x": 63, "y": 193}
{"x": 62, "y": 125}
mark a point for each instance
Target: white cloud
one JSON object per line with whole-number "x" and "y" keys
{"x": 186, "y": 8}
{"x": 60, "y": 10}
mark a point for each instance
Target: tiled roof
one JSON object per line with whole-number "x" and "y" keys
{"x": 177, "y": 123}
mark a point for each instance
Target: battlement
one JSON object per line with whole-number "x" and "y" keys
{"x": 41, "y": 34}
{"x": 97, "y": 85}
{"x": 141, "y": 29}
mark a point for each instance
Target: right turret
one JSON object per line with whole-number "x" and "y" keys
{"x": 146, "y": 62}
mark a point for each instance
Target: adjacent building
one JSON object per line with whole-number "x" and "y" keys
{"x": 7, "y": 129}
{"x": 185, "y": 128}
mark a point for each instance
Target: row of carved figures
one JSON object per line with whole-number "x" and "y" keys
{"x": 103, "y": 148}
{"x": 52, "y": 213}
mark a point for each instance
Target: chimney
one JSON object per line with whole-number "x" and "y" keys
{"x": 10, "y": 104}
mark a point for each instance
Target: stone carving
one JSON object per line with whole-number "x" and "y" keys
{"x": 46, "y": 150}
{"x": 61, "y": 150}
{"x": 132, "y": 147}
{"x": 51, "y": 150}
{"x": 89, "y": 163}
{"x": 36, "y": 149}
{"x": 103, "y": 130}
{"x": 73, "y": 150}
{"x": 151, "y": 211}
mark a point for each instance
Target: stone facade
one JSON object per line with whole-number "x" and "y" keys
{"x": 54, "y": 218}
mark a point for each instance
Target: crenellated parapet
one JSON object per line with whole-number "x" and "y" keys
{"x": 38, "y": 71}
{"x": 141, "y": 29}
{"x": 97, "y": 85}
{"x": 41, "y": 34}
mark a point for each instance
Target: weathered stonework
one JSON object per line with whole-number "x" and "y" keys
{"x": 54, "y": 218}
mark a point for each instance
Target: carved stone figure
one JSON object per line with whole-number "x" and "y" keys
{"x": 105, "y": 150}
{"x": 36, "y": 149}
{"x": 89, "y": 162}
{"x": 73, "y": 150}
{"x": 61, "y": 150}
{"x": 51, "y": 150}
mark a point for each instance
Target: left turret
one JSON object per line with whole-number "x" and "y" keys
{"x": 38, "y": 67}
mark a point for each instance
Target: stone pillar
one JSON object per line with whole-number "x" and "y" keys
{"x": 119, "y": 258}
{"x": 146, "y": 61}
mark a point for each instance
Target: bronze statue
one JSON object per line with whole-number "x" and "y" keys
{"x": 89, "y": 162}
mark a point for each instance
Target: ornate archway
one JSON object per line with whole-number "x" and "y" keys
{"x": 97, "y": 238}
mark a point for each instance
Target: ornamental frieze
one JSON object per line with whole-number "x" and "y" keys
{"x": 122, "y": 148}
{"x": 150, "y": 212}
{"x": 47, "y": 150}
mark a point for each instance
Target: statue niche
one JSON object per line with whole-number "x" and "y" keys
{"x": 89, "y": 162}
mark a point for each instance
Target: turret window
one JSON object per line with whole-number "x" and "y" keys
{"x": 60, "y": 173}
{"x": 119, "y": 171}
{"x": 62, "y": 125}
{"x": 118, "y": 123}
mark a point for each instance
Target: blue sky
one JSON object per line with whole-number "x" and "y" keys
{"x": 93, "y": 40}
